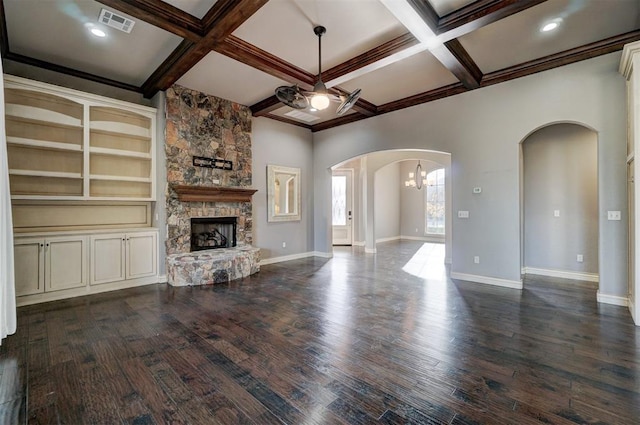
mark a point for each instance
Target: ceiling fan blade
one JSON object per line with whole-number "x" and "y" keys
{"x": 348, "y": 102}
{"x": 292, "y": 97}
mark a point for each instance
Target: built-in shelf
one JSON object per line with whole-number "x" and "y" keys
{"x": 37, "y": 173}
{"x": 120, "y": 129}
{"x": 213, "y": 194}
{"x": 120, "y": 178}
{"x": 63, "y": 143}
{"x": 43, "y": 144}
{"x": 43, "y": 115}
{"x": 119, "y": 152}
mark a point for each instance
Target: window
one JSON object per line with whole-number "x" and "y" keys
{"x": 435, "y": 203}
{"x": 339, "y": 200}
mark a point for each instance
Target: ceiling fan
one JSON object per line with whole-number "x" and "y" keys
{"x": 320, "y": 97}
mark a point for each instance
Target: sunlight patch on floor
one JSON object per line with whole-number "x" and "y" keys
{"x": 427, "y": 262}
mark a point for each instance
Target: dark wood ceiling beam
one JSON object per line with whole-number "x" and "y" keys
{"x": 288, "y": 121}
{"x": 588, "y": 51}
{"x": 255, "y": 57}
{"x": 429, "y": 96}
{"x": 427, "y": 13}
{"x": 221, "y": 20}
{"x": 265, "y": 106}
{"x": 479, "y": 14}
{"x": 456, "y": 59}
{"x": 160, "y": 14}
{"x": 370, "y": 57}
{"x": 345, "y": 119}
{"x": 4, "y": 38}
{"x": 70, "y": 71}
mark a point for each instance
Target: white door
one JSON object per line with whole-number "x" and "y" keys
{"x": 142, "y": 255}
{"x": 107, "y": 258}
{"x": 632, "y": 229}
{"x": 341, "y": 207}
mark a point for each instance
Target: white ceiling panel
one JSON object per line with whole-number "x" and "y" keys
{"x": 55, "y": 31}
{"x": 197, "y": 8}
{"x": 229, "y": 79}
{"x": 417, "y": 74}
{"x": 444, "y": 7}
{"x": 285, "y": 29}
{"x": 518, "y": 39}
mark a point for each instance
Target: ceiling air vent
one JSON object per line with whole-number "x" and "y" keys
{"x": 302, "y": 116}
{"x": 116, "y": 21}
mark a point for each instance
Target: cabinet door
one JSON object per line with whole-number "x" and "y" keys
{"x": 66, "y": 263}
{"x": 29, "y": 265}
{"x": 142, "y": 255}
{"x": 107, "y": 258}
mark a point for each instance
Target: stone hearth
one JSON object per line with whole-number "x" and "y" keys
{"x": 212, "y": 266}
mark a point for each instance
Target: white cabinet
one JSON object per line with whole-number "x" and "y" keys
{"x": 50, "y": 264}
{"x": 70, "y": 264}
{"x": 123, "y": 256}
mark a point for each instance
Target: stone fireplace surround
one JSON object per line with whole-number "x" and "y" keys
{"x": 207, "y": 126}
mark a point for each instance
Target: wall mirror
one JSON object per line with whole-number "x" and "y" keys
{"x": 283, "y": 193}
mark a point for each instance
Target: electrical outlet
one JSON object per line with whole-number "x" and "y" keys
{"x": 416, "y": 230}
{"x": 613, "y": 215}
{"x": 556, "y": 213}
{"x": 579, "y": 258}
{"x": 476, "y": 259}
{"x": 284, "y": 244}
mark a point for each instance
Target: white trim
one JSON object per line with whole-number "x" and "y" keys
{"x": 514, "y": 284}
{"x": 392, "y": 238}
{"x": 447, "y": 260}
{"x": 359, "y": 243}
{"x": 612, "y": 299}
{"x": 299, "y": 256}
{"x": 564, "y": 274}
{"x": 430, "y": 239}
{"x": 162, "y": 278}
{"x": 370, "y": 251}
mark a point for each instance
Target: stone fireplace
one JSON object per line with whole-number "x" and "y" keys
{"x": 199, "y": 125}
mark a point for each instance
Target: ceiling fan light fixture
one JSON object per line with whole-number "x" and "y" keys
{"x": 320, "y": 101}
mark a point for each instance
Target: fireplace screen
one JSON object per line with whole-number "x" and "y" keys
{"x": 213, "y": 232}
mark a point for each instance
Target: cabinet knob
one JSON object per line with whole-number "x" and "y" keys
{"x": 41, "y": 245}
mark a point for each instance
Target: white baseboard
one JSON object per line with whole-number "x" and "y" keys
{"x": 514, "y": 284}
{"x": 632, "y": 310}
{"x": 273, "y": 260}
{"x": 431, "y": 239}
{"x": 162, "y": 278}
{"x": 612, "y": 299}
{"x": 392, "y": 238}
{"x": 359, "y": 243}
{"x": 588, "y": 277}
{"x": 370, "y": 251}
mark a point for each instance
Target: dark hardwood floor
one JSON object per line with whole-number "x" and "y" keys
{"x": 358, "y": 339}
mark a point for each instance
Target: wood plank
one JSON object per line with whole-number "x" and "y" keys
{"x": 188, "y": 193}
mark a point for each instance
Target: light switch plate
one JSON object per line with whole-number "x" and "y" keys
{"x": 463, "y": 214}
{"x": 556, "y": 213}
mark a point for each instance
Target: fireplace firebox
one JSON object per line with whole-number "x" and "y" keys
{"x": 213, "y": 233}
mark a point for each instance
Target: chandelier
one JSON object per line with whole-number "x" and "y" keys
{"x": 417, "y": 179}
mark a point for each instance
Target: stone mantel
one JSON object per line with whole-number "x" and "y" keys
{"x": 188, "y": 193}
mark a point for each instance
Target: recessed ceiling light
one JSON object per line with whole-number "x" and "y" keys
{"x": 98, "y": 32}
{"x": 551, "y": 25}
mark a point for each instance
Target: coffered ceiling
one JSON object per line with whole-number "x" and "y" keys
{"x": 400, "y": 53}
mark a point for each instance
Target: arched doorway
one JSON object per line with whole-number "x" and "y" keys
{"x": 560, "y": 202}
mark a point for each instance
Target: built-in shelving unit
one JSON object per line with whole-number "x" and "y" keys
{"x": 68, "y": 145}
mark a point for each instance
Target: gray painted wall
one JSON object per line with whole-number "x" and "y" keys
{"x": 276, "y": 143}
{"x": 561, "y": 174}
{"x": 387, "y": 201}
{"x": 482, "y": 129}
